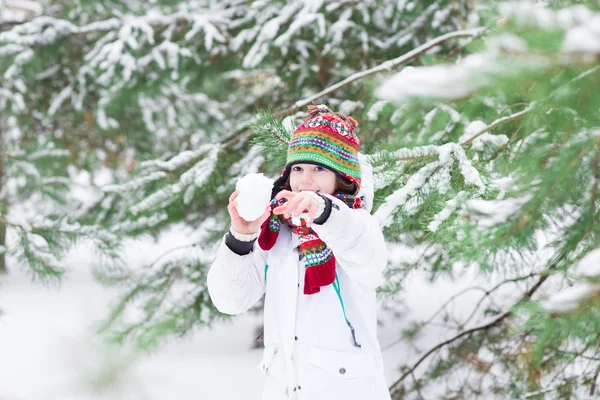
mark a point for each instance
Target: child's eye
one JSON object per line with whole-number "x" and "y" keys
{"x": 319, "y": 169}
{"x": 296, "y": 168}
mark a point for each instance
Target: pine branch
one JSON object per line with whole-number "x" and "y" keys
{"x": 27, "y": 35}
{"x": 499, "y": 122}
{"x": 395, "y": 386}
{"x": 385, "y": 66}
{"x": 487, "y": 293}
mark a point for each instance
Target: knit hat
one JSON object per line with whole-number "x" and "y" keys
{"x": 327, "y": 138}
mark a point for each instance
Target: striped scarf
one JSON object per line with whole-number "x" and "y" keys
{"x": 319, "y": 260}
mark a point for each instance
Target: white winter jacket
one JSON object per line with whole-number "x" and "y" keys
{"x": 309, "y": 351}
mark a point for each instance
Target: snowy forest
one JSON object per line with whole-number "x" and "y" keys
{"x": 122, "y": 121}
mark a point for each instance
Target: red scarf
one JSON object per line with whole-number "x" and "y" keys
{"x": 319, "y": 260}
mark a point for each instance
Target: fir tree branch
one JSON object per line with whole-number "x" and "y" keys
{"x": 174, "y": 249}
{"x": 418, "y": 158}
{"x": 487, "y": 293}
{"x": 499, "y": 122}
{"x": 395, "y": 386}
{"x": 24, "y": 34}
{"x": 492, "y": 290}
{"x": 385, "y": 66}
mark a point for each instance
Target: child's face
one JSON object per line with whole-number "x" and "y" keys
{"x": 312, "y": 177}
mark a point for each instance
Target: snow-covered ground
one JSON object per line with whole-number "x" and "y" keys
{"x": 48, "y": 349}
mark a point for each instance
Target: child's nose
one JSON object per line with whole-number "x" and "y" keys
{"x": 307, "y": 178}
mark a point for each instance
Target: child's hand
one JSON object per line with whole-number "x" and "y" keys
{"x": 241, "y": 225}
{"x": 298, "y": 203}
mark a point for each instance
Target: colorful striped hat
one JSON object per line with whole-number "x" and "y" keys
{"x": 326, "y": 138}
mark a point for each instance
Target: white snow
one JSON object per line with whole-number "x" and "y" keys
{"x": 50, "y": 349}
{"x": 254, "y": 197}
{"x": 19, "y": 10}
{"x": 375, "y": 109}
{"x": 472, "y": 129}
{"x": 451, "y": 206}
{"x": 570, "y": 298}
{"x": 385, "y": 212}
{"x": 439, "y": 81}
{"x": 487, "y": 213}
{"x": 584, "y": 38}
{"x": 248, "y": 164}
{"x": 589, "y": 265}
{"x": 505, "y": 42}
{"x": 48, "y": 153}
{"x": 136, "y": 183}
{"x": 480, "y": 142}
{"x": 535, "y": 13}
{"x": 587, "y": 269}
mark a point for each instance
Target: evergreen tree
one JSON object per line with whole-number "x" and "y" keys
{"x": 485, "y": 152}
{"x": 36, "y": 180}
{"x": 167, "y": 91}
{"x": 494, "y": 173}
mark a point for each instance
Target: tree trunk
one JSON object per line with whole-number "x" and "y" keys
{"x": 3, "y": 206}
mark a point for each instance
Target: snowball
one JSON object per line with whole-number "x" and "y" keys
{"x": 254, "y": 197}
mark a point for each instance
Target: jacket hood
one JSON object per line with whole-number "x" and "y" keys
{"x": 367, "y": 187}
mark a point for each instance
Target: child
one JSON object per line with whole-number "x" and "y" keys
{"x": 318, "y": 276}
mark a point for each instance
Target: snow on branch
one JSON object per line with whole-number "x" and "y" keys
{"x": 249, "y": 164}
{"x": 537, "y": 14}
{"x": 588, "y": 271}
{"x": 48, "y": 153}
{"x": 44, "y": 30}
{"x": 476, "y": 71}
{"x": 474, "y": 132}
{"x": 434, "y": 176}
{"x": 386, "y": 211}
{"x": 407, "y": 34}
{"x": 487, "y": 213}
{"x": 114, "y": 56}
{"x": 41, "y": 241}
{"x": 451, "y": 206}
{"x": 142, "y": 223}
{"x": 455, "y": 81}
{"x": 181, "y": 159}
{"x": 584, "y": 38}
{"x": 383, "y": 67}
{"x": 197, "y": 175}
{"x": 136, "y": 183}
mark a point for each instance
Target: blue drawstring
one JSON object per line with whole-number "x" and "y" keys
{"x": 336, "y": 286}
{"x": 266, "y": 269}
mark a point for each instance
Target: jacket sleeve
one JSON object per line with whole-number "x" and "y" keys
{"x": 236, "y": 282}
{"x": 356, "y": 240}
